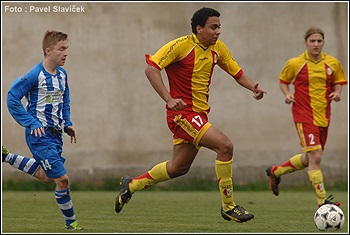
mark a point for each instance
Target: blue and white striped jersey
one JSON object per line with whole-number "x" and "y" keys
{"x": 47, "y": 95}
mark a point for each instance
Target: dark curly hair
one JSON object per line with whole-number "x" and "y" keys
{"x": 201, "y": 16}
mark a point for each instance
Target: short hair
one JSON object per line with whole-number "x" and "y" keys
{"x": 313, "y": 30}
{"x": 200, "y": 17}
{"x": 51, "y": 38}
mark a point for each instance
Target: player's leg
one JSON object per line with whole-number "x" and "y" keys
{"x": 296, "y": 163}
{"x": 314, "y": 157}
{"x": 293, "y": 164}
{"x": 64, "y": 201}
{"x": 315, "y": 175}
{"x": 316, "y": 178}
{"x": 25, "y": 164}
{"x": 185, "y": 147}
{"x": 62, "y": 193}
{"x": 215, "y": 140}
{"x": 218, "y": 142}
{"x": 47, "y": 151}
{"x": 22, "y": 163}
{"x": 183, "y": 157}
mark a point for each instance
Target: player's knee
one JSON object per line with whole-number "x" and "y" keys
{"x": 62, "y": 182}
{"x": 226, "y": 149}
{"x": 316, "y": 157}
{"x": 179, "y": 171}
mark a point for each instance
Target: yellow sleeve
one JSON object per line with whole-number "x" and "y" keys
{"x": 226, "y": 60}
{"x": 288, "y": 73}
{"x": 338, "y": 73}
{"x": 170, "y": 52}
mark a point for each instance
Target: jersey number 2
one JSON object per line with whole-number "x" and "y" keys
{"x": 312, "y": 139}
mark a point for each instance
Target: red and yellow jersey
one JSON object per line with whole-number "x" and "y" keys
{"x": 313, "y": 82}
{"x": 189, "y": 67}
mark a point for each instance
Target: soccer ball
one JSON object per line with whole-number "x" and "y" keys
{"x": 329, "y": 217}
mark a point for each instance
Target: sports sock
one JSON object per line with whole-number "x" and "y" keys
{"x": 293, "y": 164}
{"x": 25, "y": 164}
{"x": 65, "y": 204}
{"x": 316, "y": 179}
{"x": 224, "y": 175}
{"x": 156, "y": 175}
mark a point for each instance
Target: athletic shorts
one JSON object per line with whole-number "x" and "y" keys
{"x": 47, "y": 151}
{"x": 187, "y": 127}
{"x": 311, "y": 137}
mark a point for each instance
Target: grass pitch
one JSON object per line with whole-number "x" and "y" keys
{"x": 164, "y": 212}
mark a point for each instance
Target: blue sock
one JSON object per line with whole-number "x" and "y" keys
{"x": 65, "y": 204}
{"x": 25, "y": 164}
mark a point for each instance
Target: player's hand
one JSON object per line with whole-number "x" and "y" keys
{"x": 258, "y": 93}
{"x": 72, "y": 133}
{"x": 334, "y": 96}
{"x": 176, "y": 104}
{"x": 289, "y": 99}
{"x": 38, "y": 131}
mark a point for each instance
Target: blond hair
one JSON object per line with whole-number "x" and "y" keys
{"x": 313, "y": 30}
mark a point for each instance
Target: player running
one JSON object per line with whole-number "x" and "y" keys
{"x": 189, "y": 62}
{"x": 318, "y": 79}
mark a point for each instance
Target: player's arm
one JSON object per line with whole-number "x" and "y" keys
{"x": 17, "y": 91}
{"x": 289, "y": 97}
{"x": 248, "y": 83}
{"x": 335, "y": 95}
{"x": 155, "y": 78}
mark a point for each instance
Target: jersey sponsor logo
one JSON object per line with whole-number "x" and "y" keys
{"x": 53, "y": 97}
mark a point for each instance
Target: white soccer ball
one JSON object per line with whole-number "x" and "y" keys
{"x": 329, "y": 217}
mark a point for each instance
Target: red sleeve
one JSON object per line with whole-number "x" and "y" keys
{"x": 239, "y": 74}
{"x": 284, "y": 82}
{"x": 150, "y": 62}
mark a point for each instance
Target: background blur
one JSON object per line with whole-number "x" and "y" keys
{"x": 121, "y": 120}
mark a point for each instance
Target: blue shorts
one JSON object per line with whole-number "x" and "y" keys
{"x": 47, "y": 151}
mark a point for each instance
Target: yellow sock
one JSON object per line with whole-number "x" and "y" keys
{"x": 293, "y": 164}
{"x": 157, "y": 174}
{"x": 224, "y": 175}
{"x": 316, "y": 179}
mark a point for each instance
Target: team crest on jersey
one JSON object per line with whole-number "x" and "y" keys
{"x": 329, "y": 71}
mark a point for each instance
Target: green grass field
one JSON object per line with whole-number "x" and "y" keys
{"x": 164, "y": 212}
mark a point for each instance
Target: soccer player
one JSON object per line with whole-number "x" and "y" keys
{"x": 318, "y": 79}
{"x": 46, "y": 90}
{"x": 189, "y": 62}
